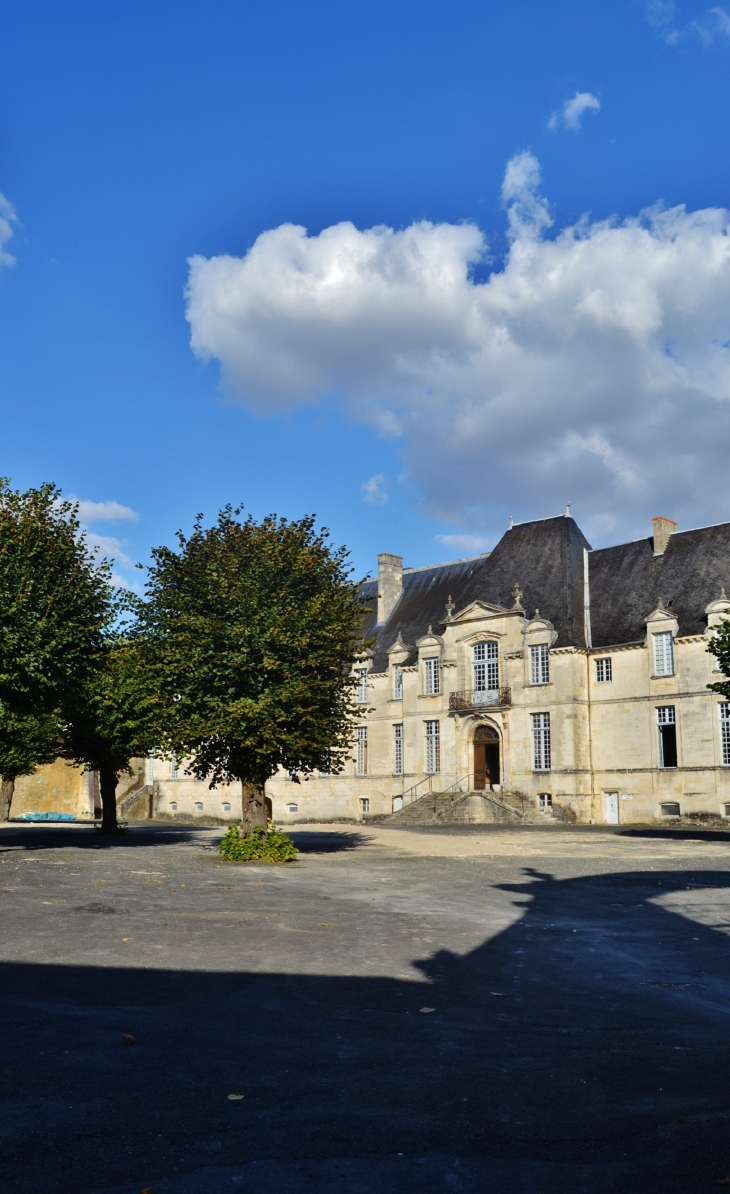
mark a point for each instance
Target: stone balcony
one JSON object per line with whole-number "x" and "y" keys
{"x": 473, "y": 698}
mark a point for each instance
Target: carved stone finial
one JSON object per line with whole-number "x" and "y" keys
{"x": 517, "y": 594}
{"x": 723, "y": 594}
{"x": 537, "y": 613}
{"x": 450, "y": 607}
{"x": 430, "y": 628}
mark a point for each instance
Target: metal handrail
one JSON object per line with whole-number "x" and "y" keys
{"x": 409, "y": 797}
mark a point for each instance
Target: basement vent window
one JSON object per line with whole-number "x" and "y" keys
{"x": 226, "y": 808}
{"x": 726, "y": 810}
{"x": 173, "y": 806}
{"x": 670, "y": 809}
{"x": 292, "y": 808}
{"x": 544, "y": 800}
{"x": 364, "y": 805}
{"x": 198, "y": 806}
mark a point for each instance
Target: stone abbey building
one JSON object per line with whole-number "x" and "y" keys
{"x": 541, "y": 675}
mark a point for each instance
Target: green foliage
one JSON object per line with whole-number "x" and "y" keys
{"x": 719, "y": 646}
{"x": 27, "y": 741}
{"x": 54, "y": 601}
{"x": 252, "y": 629}
{"x": 259, "y": 845}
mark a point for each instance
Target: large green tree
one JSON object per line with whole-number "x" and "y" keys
{"x": 252, "y": 629}
{"x": 55, "y": 606}
{"x": 719, "y": 646}
{"x": 115, "y": 715}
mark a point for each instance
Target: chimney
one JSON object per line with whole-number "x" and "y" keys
{"x": 663, "y": 528}
{"x": 390, "y": 583}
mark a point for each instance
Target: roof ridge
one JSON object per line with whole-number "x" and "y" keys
{"x": 448, "y": 563}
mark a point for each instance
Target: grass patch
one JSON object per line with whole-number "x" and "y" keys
{"x": 259, "y": 846}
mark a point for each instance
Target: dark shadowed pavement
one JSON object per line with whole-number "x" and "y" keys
{"x": 578, "y": 1038}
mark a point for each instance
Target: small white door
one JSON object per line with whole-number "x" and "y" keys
{"x": 612, "y": 808}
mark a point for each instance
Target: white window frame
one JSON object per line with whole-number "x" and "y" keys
{"x": 724, "y": 711}
{"x": 663, "y": 653}
{"x": 174, "y": 768}
{"x": 361, "y": 756}
{"x": 364, "y": 806}
{"x": 432, "y": 763}
{"x": 398, "y": 748}
{"x": 431, "y": 676}
{"x": 397, "y": 682}
{"x": 362, "y": 686}
{"x": 485, "y": 672}
{"x": 541, "y": 745}
{"x": 666, "y": 715}
{"x": 604, "y": 670}
{"x": 540, "y": 663}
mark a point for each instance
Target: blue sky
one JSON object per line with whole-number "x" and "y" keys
{"x": 137, "y": 136}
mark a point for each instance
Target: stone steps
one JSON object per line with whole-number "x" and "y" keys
{"x": 472, "y": 808}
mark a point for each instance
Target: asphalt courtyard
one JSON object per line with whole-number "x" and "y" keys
{"x": 484, "y": 1010}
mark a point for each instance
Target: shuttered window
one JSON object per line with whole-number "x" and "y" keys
{"x": 541, "y": 741}
{"x": 361, "y": 757}
{"x": 397, "y": 683}
{"x": 663, "y": 654}
{"x": 397, "y": 750}
{"x": 431, "y": 677}
{"x": 725, "y": 732}
{"x": 540, "y": 664}
{"x": 433, "y": 747}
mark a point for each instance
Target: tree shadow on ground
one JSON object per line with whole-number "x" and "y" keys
{"x": 80, "y": 836}
{"x": 583, "y": 1050}
{"x": 325, "y": 841}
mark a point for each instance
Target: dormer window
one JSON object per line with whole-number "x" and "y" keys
{"x": 397, "y": 683}
{"x": 540, "y": 664}
{"x": 663, "y": 654}
{"x": 431, "y": 686}
{"x": 362, "y": 685}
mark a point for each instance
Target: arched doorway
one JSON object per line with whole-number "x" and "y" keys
{"x": 486, "y": 758}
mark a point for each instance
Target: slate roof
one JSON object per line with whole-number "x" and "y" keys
{"x": 627, "y": 581}
{"x": 545, "y": 558}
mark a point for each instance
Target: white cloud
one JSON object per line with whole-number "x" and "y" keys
{"x": 572, "y": 110}
{"x": 713, "y": 24}
{"x": 110, "y": 511}
{"x": 8, "y": 217}
{"x": 593, "y": 365}
{"x": 469, "y": 543}
{"x": 373, "y": 490}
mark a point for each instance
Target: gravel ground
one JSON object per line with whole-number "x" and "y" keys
{"x": 481, "y": 1010}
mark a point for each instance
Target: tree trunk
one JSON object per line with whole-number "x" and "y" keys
{"x": 108, "y": 787}
{"x": 254, "y": 807}
{"x": 7, "y": 788}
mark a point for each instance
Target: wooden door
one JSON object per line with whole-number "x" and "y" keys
{"x": 480, "y": 767}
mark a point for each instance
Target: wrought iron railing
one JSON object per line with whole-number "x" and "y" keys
{"x": 474, "y": 698}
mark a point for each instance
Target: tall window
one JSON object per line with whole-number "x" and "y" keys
{"x": 433, "y": 747}
{"x": 540, "y": 741}
{"x": 540, "y": 664}
{"x": 604, "y": 671}
{"x": 667, "y": 736}
{"x": 327, "y": 769}
{"x": 663, "y": 654}
{"x": 485, "y": 672}
{"x": 397, "y": 683}
{"x": 362, "y": 685}
{"x": 398, "y": 750}
{"x": 149, "y": 769}
{"x": 431, "y": 677}
{"x": 174, "y": 769}
{"x": 361, "y": 757}
{"x": 725, "y": 732}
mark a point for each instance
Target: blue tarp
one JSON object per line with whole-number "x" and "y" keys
{"x": 46, "y": 817}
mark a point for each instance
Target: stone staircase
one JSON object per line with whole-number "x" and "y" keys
{"x": 474, "y": 808}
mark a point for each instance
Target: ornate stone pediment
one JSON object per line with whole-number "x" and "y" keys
{"x": 398, "y": 647}
{"x": 479, "y": 609}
